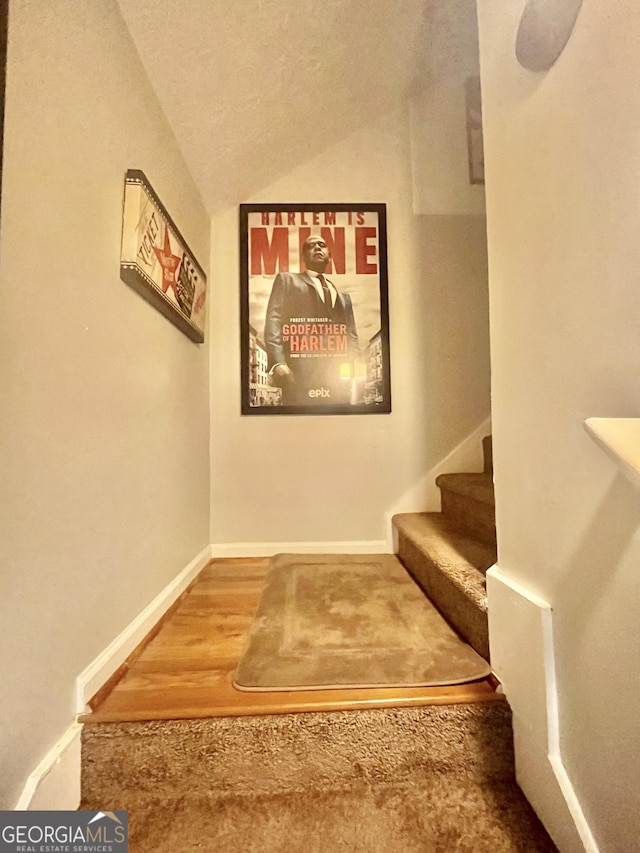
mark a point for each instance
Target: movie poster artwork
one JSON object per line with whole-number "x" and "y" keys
{"x": 156, "y": 261}
{"x": 314, "y": 310}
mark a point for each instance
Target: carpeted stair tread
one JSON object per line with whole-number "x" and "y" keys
{"x": 454, "y": 552}
{"x": 434, "y": 778}
{"x": 435, "y": 815}
{"x": 449, "y": 565}
{"x": 283, "y": 753}
{"x": 479, "y": 487}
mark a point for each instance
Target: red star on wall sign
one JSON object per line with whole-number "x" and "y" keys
{"x": 169, "y": 264}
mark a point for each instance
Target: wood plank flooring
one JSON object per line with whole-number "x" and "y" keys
{"x": 186, "y": 670}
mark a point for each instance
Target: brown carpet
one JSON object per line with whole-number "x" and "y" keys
{"x": 327, "y": 621}
{"x": 435, "y": 779}
{"x": 449, "y": 564}
{"x": 372, "y": 819}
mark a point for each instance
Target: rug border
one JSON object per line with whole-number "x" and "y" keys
{"x": 279, "y": 561}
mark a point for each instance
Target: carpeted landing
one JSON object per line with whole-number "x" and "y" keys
{"x": 435, "y": 778}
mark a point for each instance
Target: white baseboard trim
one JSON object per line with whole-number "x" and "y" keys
{"x": 424, "y": 495}
{"x": 54, "y": 785}
{"x": 268, "y": 549}
{"x": 573, "y": 805}
{"x": 522, "y": 657}
{"x": 102, "y": 667}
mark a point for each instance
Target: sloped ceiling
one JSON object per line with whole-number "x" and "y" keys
{"x": 253, "y": 88}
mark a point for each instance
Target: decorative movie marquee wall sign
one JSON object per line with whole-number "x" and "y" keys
{"x": 156, "y": 261}
{"x": 315, "y": 324}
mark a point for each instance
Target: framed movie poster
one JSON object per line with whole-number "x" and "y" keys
{"x": 314, "y": 309}
{"x": 156, "y": 261}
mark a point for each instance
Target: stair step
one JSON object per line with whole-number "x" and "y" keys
{"x": 437, "y": 816}
{"x": 469, "y": 501}
{"x": 388, "y": 778}
{"x": 123, "y": 763}
{"x": 479, "y": 487}
{"x": 449, "y": 565}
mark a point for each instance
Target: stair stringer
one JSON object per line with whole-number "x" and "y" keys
{"x": 522, "y": 657}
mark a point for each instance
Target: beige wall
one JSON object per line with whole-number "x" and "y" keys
{"x": 104, "y": 450}
{"x": 440, "y": 155}
{"x": 333, "y": 478}
{"x": 563, "y": 159}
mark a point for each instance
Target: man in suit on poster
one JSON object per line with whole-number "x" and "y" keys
{"x": 309, "y": 303}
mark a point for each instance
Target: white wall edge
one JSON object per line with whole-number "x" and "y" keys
{"x": 520, "y": 589}
{"x": 268, "y": 549}
{"x": 573, "y": 805}
{"x": 555, "y": 758}
{"x": 54, "y": 785}
{"x": 107, "y": 662}
{"x": 539, "y": 771}
{"x": 424, "y": 495}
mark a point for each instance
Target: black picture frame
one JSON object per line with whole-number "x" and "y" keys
{"x": 336, "y": 351}
{"x": 4, "y": 24}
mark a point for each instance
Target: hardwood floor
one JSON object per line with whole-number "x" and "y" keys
{"x": 186, "y": 669}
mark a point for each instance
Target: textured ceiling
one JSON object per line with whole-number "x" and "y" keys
{"x": 253, "y": 88}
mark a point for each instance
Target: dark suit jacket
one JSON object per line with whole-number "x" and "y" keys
{"x": 294, "y": 295}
